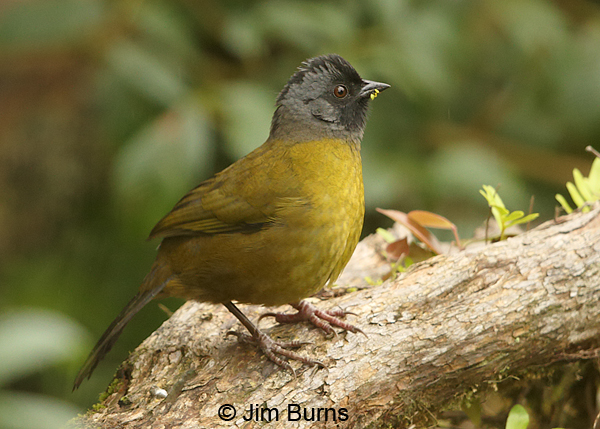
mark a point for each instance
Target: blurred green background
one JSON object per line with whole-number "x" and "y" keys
{"x": 111, "y": 110}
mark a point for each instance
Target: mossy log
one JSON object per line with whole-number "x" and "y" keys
{"x": 446, "y": 325}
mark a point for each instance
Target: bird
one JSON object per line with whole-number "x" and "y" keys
{"x": 277, "y": 225}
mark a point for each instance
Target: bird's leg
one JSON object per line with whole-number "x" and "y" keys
{"x": 272, "y": 349}
{"x": 323, "y": 319}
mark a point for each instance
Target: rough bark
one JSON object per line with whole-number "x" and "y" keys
{"x": 449, "y": 323}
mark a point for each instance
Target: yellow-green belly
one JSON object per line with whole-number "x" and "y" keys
{"x": 307, "y": 245}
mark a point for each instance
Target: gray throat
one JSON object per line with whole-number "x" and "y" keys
{"x": 285, "y": 128}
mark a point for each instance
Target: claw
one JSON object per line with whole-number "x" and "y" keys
{"x": 323, "y": 319}
{"x": 272, "y": 349}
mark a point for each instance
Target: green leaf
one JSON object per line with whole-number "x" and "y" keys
{"x": 504, "y": 218}
{"x": 386, "y": 235}
{"x": 525, "y": 219}
{"x": 594, "y": 178}
{"x": 492, "y": 197}
{"x": 498, "y": 202}
{"x": 499, "y": 211}
{"x": 485, "y": 195}
{"x": 499, "y": 214}
{"x": 498, "y": 219}
{"x": 518, "y": 418}
{"x": 575, "y": 195}
{"x": 513, "y": 216}
{"x": 488, "y": 193}
{"x": 582, "y": 185}
{"x": 563, "y": 202}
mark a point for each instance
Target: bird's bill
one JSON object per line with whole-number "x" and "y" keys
{"x": 371, "y": 89}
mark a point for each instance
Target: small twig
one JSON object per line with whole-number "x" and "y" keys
{"x": 531, "y": 201}
{"x": 487, "y": 225}
{"x": 166, "y": 309}
{"x": 592, "y": 150}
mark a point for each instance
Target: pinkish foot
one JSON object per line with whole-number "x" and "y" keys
{"x": 274, "y": 349}
{"x": 323, "y": 319}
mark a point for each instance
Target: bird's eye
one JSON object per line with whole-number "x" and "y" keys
{"x": 340, "y": 91}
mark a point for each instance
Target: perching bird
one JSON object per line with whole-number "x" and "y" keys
{"x": 278, "y": 224}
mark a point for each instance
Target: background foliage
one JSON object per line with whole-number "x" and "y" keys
{"x": 112, "y": 110}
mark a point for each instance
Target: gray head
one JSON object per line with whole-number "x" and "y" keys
{"x": 325, "y": 98}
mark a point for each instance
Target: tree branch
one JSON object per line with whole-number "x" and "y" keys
{"x": 449, "y": 323}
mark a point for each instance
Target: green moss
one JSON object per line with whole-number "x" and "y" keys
{"x": 124, "y": 401}
{"x": 98, "y": 407}
{"x": 113, "y": 387}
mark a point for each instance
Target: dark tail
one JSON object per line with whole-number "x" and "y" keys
{"x": 148, "y": 291}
